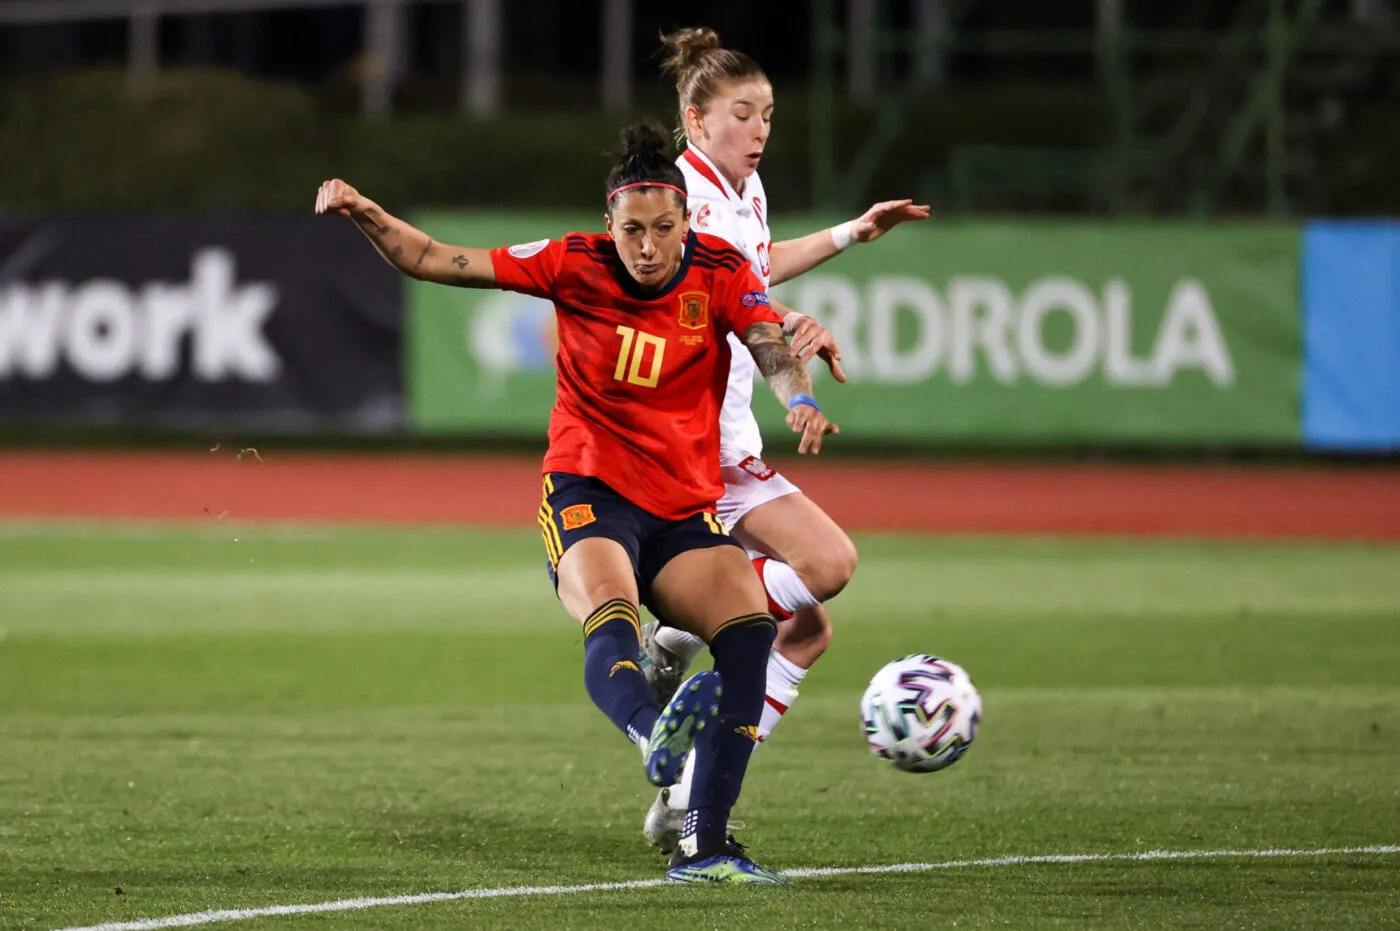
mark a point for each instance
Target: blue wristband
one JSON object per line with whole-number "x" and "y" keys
{"x": 804, "y": 399}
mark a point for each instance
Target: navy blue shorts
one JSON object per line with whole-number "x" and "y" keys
{"x": 577, "y": 507}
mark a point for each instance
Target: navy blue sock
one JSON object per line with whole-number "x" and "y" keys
{"x": 740, "y": 649}
{"x": 614, "y": 681}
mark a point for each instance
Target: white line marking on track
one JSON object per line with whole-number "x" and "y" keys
{"x": 347, "y": 905}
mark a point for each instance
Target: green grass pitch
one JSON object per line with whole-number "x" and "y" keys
{"x": 189, "y": 721}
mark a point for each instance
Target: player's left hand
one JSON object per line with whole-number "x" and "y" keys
{"x": 884, "y": 216}
{"x": 810, "y": 338}
{"x": 813, "y": 425}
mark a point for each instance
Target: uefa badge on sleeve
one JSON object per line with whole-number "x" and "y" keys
{"x": 527, "y": 249}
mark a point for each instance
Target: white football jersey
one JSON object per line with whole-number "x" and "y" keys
{"x": 742, "y": 220}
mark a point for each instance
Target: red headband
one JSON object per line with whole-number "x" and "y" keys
{"x": 628, "y": 187}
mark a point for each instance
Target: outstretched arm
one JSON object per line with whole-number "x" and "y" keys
{"x": 792, "y": 257}
{"x": 787, "y": 375}
{"x": 410, "y": 250}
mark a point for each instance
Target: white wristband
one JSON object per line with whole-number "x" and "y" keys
{"x": 841, "y": 235}
{"x": 790, "y": 321}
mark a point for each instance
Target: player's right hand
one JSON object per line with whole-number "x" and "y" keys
{"x": 813, "y": 425}
{"x": 335, "y": 196}
{"x": 810, "y": 338}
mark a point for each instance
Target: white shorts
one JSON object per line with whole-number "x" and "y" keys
{"x": 748, "y": 482}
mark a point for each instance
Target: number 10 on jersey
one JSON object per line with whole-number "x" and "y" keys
{"x": 634, "y": 349}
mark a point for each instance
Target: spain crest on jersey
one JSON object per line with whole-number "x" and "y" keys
{"x": 695, "y": 310}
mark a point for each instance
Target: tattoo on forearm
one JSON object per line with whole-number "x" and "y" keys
{"x": 396, "y": 253}
{"x": 460, "y": 261}
{"x": 786, "y": 376}
{"x": 370, "y": 223}
{"x": 769, "y": 351}
{"x": 424, "y": 254}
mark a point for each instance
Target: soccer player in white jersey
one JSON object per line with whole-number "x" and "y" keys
{"x": 803, "y": 557}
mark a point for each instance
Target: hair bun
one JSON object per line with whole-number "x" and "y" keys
{"x": 642, "y": 139}
{"x": 687, "y": 49}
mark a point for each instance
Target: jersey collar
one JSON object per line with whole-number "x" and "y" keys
{"x": 701, "y": 163}
{"x": 632, "y": 289}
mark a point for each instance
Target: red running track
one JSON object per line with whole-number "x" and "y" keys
{"x": 1225, "y": 501}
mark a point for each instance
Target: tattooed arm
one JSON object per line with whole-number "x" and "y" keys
{"x": 787, "y": 375}
{"x": 410, "y": 250}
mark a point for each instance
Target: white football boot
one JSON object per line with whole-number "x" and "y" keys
{"x": 664, "y": 824}
{"x": 664, "y": 670}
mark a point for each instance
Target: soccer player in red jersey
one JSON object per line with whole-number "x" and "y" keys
{"x": 632, "y": 473}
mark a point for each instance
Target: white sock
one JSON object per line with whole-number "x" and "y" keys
{"x": 679, "y": 796}
{"x": 788, "y": 592}
{"x": 784, "y": 676}
{"x": 785, "y": 588}
{"x": 680, "y": 642}
{"x": 781, "y": 691}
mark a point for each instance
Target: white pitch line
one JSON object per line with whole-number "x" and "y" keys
{"x": 346, "y": 905}
{"x": 1146, "y": 855}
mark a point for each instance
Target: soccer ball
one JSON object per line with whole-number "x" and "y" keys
{"x": 921, "y": 713}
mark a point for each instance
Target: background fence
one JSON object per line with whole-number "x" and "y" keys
{"x": 1123, "y": 251}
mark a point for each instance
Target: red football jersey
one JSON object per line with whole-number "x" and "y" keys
{"x": 641, "y": 377}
